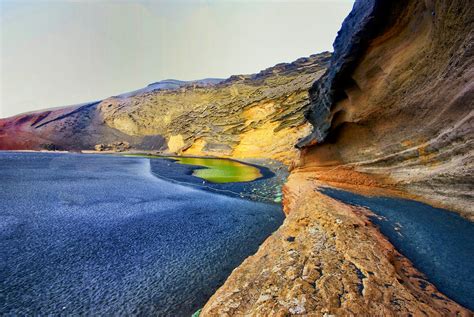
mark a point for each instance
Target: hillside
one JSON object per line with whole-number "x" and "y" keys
{"x": 259, "y": 115}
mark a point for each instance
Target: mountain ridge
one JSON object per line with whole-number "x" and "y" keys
{"x": 202, "y": 117}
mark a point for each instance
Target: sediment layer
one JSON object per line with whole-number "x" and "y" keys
{"x": 251, "y": 116}
{"x": 397, "y": 101}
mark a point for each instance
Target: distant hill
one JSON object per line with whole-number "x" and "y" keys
{"x": 210, "y": 116}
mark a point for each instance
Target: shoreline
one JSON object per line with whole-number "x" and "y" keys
{"x": 294, "y": 270}
{"x": 405, "y": 278}
{"x": 267, "y": 188}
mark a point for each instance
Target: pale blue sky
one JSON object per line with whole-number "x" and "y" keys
{"x": 56, "y": 53}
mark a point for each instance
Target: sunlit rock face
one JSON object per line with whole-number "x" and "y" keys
{"x": 397, "y": 102}
{"x": 259, "y": 115}
{"x": 391, "y": 116}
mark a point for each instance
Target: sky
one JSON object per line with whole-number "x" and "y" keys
{"x": 63, "y": 52}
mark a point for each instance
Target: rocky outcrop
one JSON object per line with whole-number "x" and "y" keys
{"x": 259, "y": 115}
{"x": 327, "y": 259}
{"x": 397, "y": 101}
{"x": 393, "y": 115}
{"x": 113, "y": 147}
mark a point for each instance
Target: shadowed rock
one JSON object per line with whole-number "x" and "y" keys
{"x": 397, "y": 101}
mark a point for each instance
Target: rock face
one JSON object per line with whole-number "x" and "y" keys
{"x": 393, "y": 115}
{"x": 259, "y": 115}
{"x": 397, "y": 101}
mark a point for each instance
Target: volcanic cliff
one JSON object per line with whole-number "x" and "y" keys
{"x": 393, "y": 115}
{"x": 397, "y": 102}
{"x": 259, "y": 115}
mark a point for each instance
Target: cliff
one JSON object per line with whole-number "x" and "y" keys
{"x": 397, "y": 102}
{"x": 392, "y": 115}
{"x": 259, "y": 115}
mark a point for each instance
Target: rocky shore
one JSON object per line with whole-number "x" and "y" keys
{"x": 389, "y": 112}
{"x": 392, "y": 115}
{"x": 327, "y": 259}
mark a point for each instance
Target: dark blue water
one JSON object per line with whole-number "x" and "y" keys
{"x": 100, "y": 235}
{"x": 438, "y": 242}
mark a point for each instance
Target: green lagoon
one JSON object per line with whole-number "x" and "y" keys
{"x": 217, "y": 170}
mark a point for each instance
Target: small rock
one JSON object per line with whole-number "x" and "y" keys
{"x": 297, "y": 310}
{"x": 264, "y": 298}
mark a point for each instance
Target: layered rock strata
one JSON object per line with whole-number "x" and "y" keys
{"x": 393, "y": 115}
{"x": 259, "y": 115}
{"x": 398, "y": 99}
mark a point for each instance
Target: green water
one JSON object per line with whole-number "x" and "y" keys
{"x": 221, "y": 170}
{"x": 217, "y": 170}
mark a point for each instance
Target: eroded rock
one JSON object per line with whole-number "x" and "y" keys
{"x": 251, "y": 116}
{"x": 338, "y": 264}
{"x": 397, "y": 101}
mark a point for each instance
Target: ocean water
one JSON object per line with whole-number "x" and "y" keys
{"x": 100, "y": 235}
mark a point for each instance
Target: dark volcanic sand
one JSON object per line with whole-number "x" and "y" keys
{"x": 264, "y": 189}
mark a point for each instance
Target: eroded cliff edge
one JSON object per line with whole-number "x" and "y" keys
{"x": 397, "y": 104}
{"x": 392, "y": 115}
{"x": 327, "y": 258}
